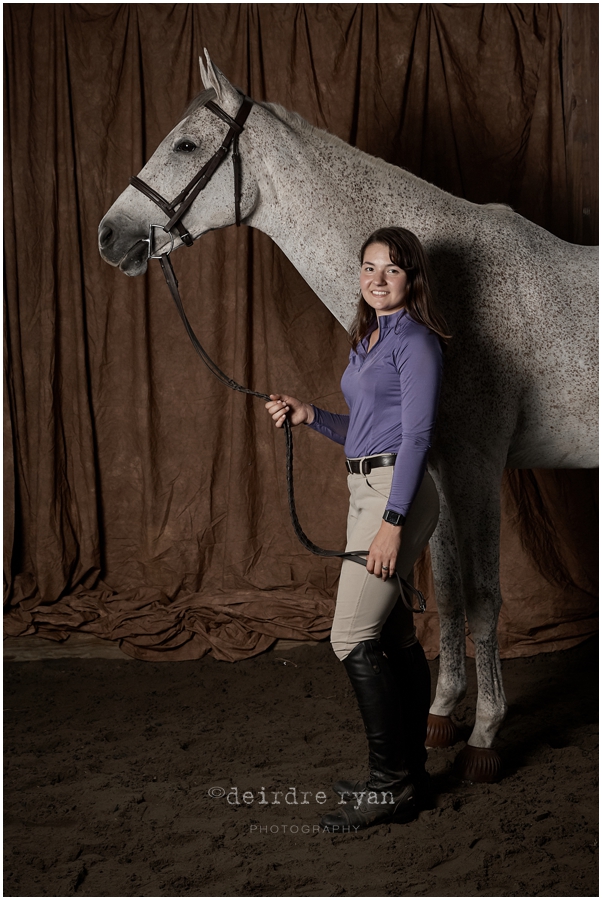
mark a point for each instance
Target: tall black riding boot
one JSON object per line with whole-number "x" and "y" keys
{"x": 411, "y": 673}
{"x": 413, "y": 678}
{"x": 389, "y": 794}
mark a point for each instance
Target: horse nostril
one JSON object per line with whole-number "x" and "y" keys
{"x": 105, "y": 235}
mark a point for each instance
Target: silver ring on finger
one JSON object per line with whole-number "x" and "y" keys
{"x": 385, "y": 568}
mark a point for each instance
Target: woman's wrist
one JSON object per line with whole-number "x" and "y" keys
{"x": 310, "y": 413}
{"x": 387, "y": 528}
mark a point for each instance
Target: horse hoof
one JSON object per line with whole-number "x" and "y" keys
{"x": 478, "y": 764}
{"x": 441, "y": 731}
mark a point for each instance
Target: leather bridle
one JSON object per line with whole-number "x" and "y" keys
{"x": 175, "y": 211}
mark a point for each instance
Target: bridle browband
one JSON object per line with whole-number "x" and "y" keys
{"x": 175, "y": 212}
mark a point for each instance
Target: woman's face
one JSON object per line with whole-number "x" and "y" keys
{"x": 384, "y": 286}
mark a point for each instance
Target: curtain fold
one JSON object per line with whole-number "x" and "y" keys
{"x": 143, "y": 503}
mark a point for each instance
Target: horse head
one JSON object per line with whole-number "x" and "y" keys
{"x": 126, "y": 236}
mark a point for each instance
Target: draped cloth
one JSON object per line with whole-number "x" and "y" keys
{"x": 143, "y": 502}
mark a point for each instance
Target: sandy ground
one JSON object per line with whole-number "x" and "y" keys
{"x": 110, "y": 767}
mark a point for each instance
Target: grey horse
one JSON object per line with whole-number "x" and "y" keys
{"x": 520, "y": 374}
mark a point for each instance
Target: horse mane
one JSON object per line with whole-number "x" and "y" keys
{"x": 297, "y": 123}
{"x": 293, "y": 119}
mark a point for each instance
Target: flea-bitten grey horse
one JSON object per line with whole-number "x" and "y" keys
{"x": 519, "y": 386}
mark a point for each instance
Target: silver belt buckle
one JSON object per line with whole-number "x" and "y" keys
{"x": 149, "y": 241}
{"x": 368, "y": 467}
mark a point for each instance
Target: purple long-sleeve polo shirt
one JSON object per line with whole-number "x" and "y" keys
{"x": 392, "y": 393}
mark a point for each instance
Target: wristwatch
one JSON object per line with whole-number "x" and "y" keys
{"x": 394, "y": 518}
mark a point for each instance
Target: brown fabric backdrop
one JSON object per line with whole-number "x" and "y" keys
{"x": 143, "y": 502}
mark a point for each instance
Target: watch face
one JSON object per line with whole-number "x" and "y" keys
{"x": 392, "y": 518}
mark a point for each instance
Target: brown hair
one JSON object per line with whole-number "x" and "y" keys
{"x": 405, "y": 251}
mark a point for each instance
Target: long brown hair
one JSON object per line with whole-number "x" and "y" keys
{"x": 405, "y": 251}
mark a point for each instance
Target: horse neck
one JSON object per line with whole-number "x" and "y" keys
{"x": 319, "y": 199}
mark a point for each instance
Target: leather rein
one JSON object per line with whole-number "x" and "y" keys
{"x": 175, "y": 211}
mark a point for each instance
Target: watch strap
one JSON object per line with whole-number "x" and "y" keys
{"x": 394, "y": 518}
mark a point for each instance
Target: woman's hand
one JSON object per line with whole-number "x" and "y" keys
{"x": 280, "y": 405}
{"x": 383, "y": 551}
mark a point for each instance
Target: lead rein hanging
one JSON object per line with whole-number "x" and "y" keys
{"x": 357, "y": 556}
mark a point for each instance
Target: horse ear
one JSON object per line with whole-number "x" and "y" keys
{"x": 227, "y": 96}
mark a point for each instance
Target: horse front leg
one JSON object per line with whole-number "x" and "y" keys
{"x": 451, "y": 682}
{"x": 474, "y": 498}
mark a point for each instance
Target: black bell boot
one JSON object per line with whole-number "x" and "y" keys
{"x": 389, "y": 794}
{"x": 411, "y": 673}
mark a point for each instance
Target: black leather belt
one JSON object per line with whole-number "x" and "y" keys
{"x": 365, "y": 466}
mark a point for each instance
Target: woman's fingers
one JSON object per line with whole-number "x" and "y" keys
{"x": 278, "y": 409}
{"x": 274, "y": 405}
{"x": 382, "y": 556}
{"x": 276, "y": 402}
{"x": 381, "y": 568}
{"x": 279, "y": 416}
{"x": 280, "y": 406}
{"x": 387, "y": 571}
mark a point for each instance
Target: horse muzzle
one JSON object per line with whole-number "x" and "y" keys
{"x": 131, "y": 252}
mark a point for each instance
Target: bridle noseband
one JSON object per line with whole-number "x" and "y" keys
{"x": 175, "y": 212}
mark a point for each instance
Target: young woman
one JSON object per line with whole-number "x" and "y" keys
{"x": 391, "y": 386}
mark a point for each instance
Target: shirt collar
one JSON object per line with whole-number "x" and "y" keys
{"x": 388, "y": 323}
{"x": 385, "y": 323}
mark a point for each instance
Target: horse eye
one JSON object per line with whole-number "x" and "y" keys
{"x": 185, "y": 147}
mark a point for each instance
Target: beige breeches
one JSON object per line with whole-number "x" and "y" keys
{"x": 365, "y": 602}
